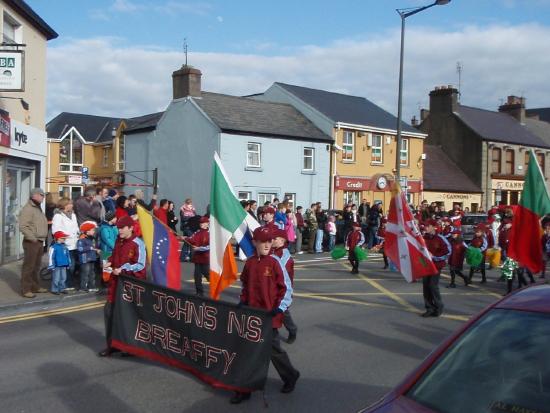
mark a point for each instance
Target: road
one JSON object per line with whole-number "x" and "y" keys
{"x": 358, "y": 336}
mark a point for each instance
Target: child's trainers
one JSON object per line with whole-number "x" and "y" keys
{"x": 93, "y": 290}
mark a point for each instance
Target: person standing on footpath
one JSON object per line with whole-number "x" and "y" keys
{"x": 322, "y": 220}
{"x": 263, "y": 286}
{"x": 59, "y": 261}
{"x": 139, "y": 200}
{"x": 34, "y": 227}
{"x": 187, "y": 213}
{"x": 439, "y": 247}
{"x": 311, "y": 219}
{"x": 128, "y": 258}
{"x": 171, "y": 215}
{"x": 162, "y": 211}
{"x": 87, "y": 208}
{"x": 253, "y": 206}
{"x": 300, "y": 227}
{"x": 64, "y": 220}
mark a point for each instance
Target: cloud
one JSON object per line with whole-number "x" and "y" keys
{"x": 126, "y": 6}
{"x": 98, "y": 14}
{"x": 106, "y": 76}
{"x": 170, "y": 7}
{"x": 219, "y": 18}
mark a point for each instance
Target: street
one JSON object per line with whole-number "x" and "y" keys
{"x": 358, "y": 336}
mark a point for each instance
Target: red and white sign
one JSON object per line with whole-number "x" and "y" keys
{"x": 367, "y": 184}
{"x": 5, "y": 128}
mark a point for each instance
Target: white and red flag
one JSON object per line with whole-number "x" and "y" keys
{"x": 403, "y": 242}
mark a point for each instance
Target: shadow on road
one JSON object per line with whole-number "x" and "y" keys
{"x": 77, "y": 392}
{"x": 430, "y": 334}
{"x": 394, "y": 345}
{"x": 80, "y": 332}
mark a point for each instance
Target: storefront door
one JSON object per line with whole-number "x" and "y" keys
{"x": 18, "y": 183}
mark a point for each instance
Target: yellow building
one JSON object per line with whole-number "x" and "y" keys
{"x": 77, "y": 143}
{"x": 364, "y": 152}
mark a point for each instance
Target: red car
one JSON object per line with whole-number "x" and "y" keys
{"x": 498, "y": 362}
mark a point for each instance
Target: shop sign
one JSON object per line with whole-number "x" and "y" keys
{"x": 5, "y": 129}
{"x": 352, "y": 184}
{"x": 508, "y": 185}
{"x": 74, "y": 179}
{"x": 12, "y": 63}
{"x": 27, "y": 138}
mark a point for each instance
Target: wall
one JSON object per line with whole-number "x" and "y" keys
{"x": 281, "y": 168}
{"x": 182, "y": 148}
{"x": 35, "y": 75}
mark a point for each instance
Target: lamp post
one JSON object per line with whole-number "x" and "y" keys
{"x": 404, "y": 13}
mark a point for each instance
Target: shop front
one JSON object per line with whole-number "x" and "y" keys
{"x": 447, "y": 200}
{"x": 22, "y": 167}
{"x": 374, "y": 189}
{"x": 505, "y": 191}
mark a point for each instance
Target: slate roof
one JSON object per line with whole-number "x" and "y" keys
{"x": 539, "y": 128}
{"x": 26, "y": 11}
{"x": 442, "y": 174}
{"x": 142, "y": 123}
{"x": 94, "y": 129}
{"x": 246, "y": 115}
{"x": 544, "y": 113}
{"x": 497, "y": 126}
{"x": 346, "y": 108}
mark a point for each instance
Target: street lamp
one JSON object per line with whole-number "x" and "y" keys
{"x": 404, "y": 13}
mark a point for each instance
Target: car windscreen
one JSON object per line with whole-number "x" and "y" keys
{"x": 501, "y": 364}
{"x": 473, "y": 219}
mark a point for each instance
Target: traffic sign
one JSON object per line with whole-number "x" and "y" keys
{"x": 85, "y": 174}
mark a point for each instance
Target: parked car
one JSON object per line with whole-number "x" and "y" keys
{"x": 497, "y": 362}
{"x": 469, "y": 222}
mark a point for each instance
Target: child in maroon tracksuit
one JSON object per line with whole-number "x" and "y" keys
{"x": 381, "y": 234}
{"x": 456, "y": 259}
{"x": 200, "y": 241}
{"x": 354, "y": 239}
{"x": 545, "y": 241}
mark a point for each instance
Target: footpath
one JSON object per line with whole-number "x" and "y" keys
{"x": 12, "y": 303}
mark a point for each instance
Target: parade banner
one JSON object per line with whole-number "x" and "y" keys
{"x": 224, "y": 345}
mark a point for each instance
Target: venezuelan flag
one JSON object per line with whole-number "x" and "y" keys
{"x": 162, "y": 250}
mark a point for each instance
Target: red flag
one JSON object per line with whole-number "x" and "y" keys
{"x": 403, "y": 242}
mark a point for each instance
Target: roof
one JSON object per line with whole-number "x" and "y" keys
{"x": 442, "y": 174}
{"x": 25, "y": 11}
{"x": 539, "y": 128}
{"x": 536, "y": 298}
{"x": 94, "y": 129}
{"x": 497, "y": 126}
{"x": 543, "y": 113}
{"x": 346, "y": 108}
{"x": 142, "y": 123}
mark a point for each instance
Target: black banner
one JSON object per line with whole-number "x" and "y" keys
{"x": 223, "y": 345}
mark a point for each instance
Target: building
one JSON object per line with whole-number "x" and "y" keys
{"x": 446, "y": 184}
{"x": 363, "y": 158}
{"x": 77, "y": 141}
{"x": 491, "y": 148}
{"x": 269, "y": 150}
{"x": 23, "y": 146}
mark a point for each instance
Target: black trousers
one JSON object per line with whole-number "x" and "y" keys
{"x": 480, "y": 267}
{"x": 200, "y": 271}
{"x": 289, "y": 323}
{"x": 432, "y": 296}
{"x": 353, "y": 260}
{"x": 280, "y": 360}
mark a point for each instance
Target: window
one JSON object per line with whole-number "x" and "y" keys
{"x": 352, "y": 196}
{"x": 526, "y": 161}
{"x": 309, "y": 154}
{"x": 244, "y": 196}
{"x": 121, "y": 152}
{"x": 265, "y": 197}
{"x": 11, "y": 30}
{"x": 376, "y": 155}
{"x": 253, "y": 155}
{"x": 509, "y": 166}
{"x": 71, "y": 192}
{"x": 105, "y": 163}
{"x": 290, "y": 199}
{"x": 404, "y": 152}
{"x": 540, "y": 160}
{"x": 348, "y": 145}
{"x": 495, "y": 166}
{"x": 70, "y": 153}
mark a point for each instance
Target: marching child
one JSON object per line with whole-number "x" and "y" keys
{"x": 331, "y": 229}
{"x": 263, "y": 286}
{"x": 200, "y": 242}
{"x": 354, "y": 239}
{"x": 282, "y": 255}
{"x": 509, "y": 268}
{"x": 545, "y": 241}
{"x": 456, "y": 259}
{"x": 60, "y": 260}
{"x": 88, "y": 255}
{"x": 381, "y": 234}
{"x": 479, "y": 241}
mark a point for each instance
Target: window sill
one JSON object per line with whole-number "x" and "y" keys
{"x": 347, "y": 161}
{"x": 253, "y": 168}
{"x": 305, "y": 172}
{"x": 377, "y": 163}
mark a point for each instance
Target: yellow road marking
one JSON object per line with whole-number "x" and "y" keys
{"x": 47, "y": 313}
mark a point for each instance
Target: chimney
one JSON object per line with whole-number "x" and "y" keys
{"x": 515, "y": 107}
{"x": 414, "y": 121}
{"x": 186, "y": 82}
{"x": 443, "y": 99}
{"x": 424, "y": 114}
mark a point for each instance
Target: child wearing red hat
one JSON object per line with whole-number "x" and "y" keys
{"x": 354, "y": 239}
{"x": 200, "y": 242}
{"x": 60, "y": 260}
{"x": 263, "y": 286}
{"x": 88, "y": 254}
{"x": 456, "y": 259}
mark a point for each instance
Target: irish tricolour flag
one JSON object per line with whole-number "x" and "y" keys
{"x": 228, "y": 220}
{"x": 525, "y": 236}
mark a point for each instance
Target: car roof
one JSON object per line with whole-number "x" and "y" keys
{"x": 536, "y": 298}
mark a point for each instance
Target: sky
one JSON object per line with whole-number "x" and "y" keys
{"x": 115, "y": 57}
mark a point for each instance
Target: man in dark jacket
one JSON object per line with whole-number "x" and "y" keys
{"x": 87, "y": 208}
